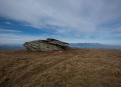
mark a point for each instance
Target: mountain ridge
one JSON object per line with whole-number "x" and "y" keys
{"x": 77, "y": 45}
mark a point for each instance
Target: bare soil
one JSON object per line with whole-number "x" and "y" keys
{"x": 71, "y": 68}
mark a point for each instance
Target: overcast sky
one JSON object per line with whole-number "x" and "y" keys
{"x": 74, "y": 21}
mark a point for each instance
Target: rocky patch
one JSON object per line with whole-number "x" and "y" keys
{"x": 46, "y": 45}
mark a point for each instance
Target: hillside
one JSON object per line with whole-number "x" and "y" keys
{"x": 78, "y": 67}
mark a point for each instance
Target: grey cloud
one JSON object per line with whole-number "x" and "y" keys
{"x": 10, "y": 31}
{"x": 17, "y": 38}
{"x": 7, "y": 22}
{"x": 82, "y": 16}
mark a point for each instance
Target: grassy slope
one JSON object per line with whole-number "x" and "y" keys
{"x": 72, "y": 68}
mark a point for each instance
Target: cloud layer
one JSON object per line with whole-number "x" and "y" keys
{"x": 79, "y": 15}
{"x": 84, "y": 17}
{"x": 6, "y": 30}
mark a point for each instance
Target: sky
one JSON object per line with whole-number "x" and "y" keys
{"x": 72, "y": 21}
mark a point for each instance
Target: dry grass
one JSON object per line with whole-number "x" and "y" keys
{"x": 72, "y": 68}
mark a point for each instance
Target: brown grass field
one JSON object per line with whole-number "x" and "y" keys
{"x": 78, "y": 67}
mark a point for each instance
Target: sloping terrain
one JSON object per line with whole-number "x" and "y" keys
{"x": 70, "y": 68}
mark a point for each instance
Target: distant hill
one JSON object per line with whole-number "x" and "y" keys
{"x": 94, "y": 45}
{"x": 11, "y": 46}
{"x": 78, "y": 45}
